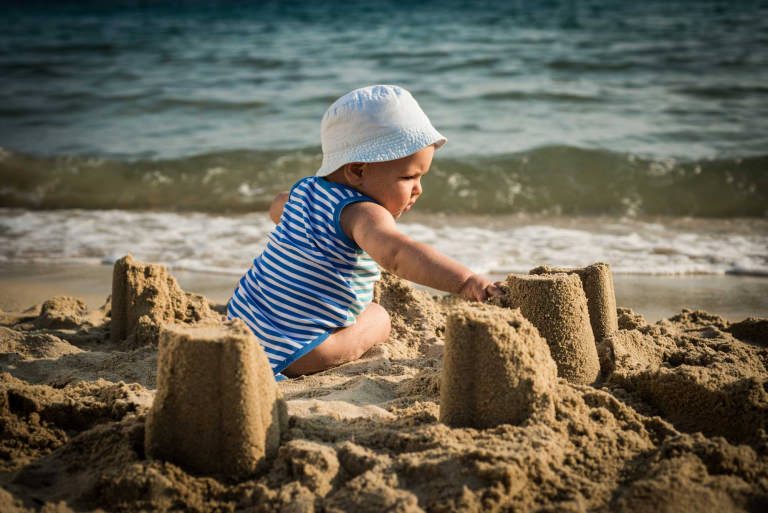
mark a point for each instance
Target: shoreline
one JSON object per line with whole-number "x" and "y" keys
{"x": 734, "y": 297}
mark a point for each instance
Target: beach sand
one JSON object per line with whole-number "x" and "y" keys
{"x": 656, "y": 297}
{"x": 676, "y": 422}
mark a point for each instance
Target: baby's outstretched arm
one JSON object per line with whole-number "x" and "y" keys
{"x": 373, "y": 228}
{"x": 276, "y": 209}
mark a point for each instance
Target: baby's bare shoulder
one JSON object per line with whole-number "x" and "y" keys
{"x": 362, "y": 208}
{"x": 364, "y": 215}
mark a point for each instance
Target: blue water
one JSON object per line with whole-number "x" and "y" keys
{"x": 578, "y": 131}
{"x": 139, "y": 80}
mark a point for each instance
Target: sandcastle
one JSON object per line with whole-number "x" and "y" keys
{"x": 496, "y": 369}
{"x": 217, "y": 409}
{"x": 145, "y": 297}
{"x": 557, "y": 306}
{"x": 597, "y": 281}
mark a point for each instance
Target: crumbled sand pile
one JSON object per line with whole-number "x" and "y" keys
{"x": 62, "y": 312}
{"x": 557, "y": 306}
{"x": 496, "y": 369}
{"x": 417, "y": 320}
{"x": 36, "y": 419}
{"x": 661, "y": 433}
{"x": 217, "y": 408}
{"x": 693, "y": 372}
{"x": 629, "y": 320}
{"x": 597, "y": 281}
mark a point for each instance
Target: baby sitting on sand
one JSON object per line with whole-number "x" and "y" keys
{"x": 307, "y": 297}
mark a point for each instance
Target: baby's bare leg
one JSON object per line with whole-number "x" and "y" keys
{"x": 345, "y": 344}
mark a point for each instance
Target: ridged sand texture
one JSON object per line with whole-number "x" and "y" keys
{"x": 496, "y": 369}
{"x": 597, "y": 281}
{"x": 217, "y": 409}
{"x": 557, "y": 306}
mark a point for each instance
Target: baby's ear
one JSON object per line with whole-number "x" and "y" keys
{"x": 354, "y": 171}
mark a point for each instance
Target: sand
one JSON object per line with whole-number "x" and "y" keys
{"x": 497, "y": 369}
{"x": 734, "y": 297}
{"x": 217, "y": 409}
{"x": 557, "y": 306}
{"x": 597, "y": 281}
{"x": 144, "y": 298}
{"x": 678, "y": 423}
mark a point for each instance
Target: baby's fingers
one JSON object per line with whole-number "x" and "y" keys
{"x": 493, "y": 290}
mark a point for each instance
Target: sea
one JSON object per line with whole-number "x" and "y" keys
{"x": 634, "y": 133}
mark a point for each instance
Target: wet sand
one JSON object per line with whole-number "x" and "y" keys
{"x": 655, "y": 297}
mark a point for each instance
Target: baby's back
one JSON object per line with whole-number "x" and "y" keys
{"x": 310, "y": 279}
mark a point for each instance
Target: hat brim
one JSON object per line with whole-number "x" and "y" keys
{"x": 392, "y": 146}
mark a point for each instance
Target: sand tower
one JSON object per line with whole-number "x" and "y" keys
{"x": 557, "y": 306}
{"x": 140, "y": 290}
{"x": 496, "y": 368}
{"x": 217, "y": 408}
{"x": 597, "y": 281}
{"x": 145, "y": 297}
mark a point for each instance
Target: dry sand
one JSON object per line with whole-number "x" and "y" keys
{"x": 678, "y": 422}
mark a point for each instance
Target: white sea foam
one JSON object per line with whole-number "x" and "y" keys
{"x": 228, "y": 244}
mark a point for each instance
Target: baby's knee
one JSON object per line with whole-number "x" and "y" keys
{"x": 382, "y": 321}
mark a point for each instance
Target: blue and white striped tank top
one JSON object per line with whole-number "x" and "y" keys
{"x": 310, "y": 279}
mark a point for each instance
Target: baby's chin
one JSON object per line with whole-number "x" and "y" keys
{"x": 397, "y": 213}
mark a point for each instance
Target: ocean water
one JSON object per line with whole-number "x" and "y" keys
{"x": 635, "y": 133}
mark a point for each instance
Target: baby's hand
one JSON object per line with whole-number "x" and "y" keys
{"x": 478, "y": 288}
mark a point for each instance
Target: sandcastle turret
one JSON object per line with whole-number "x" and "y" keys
{"x": 144, "y": 298}
{"x": 597, "y": 281}
{"x": 217, "y": 407}
{"x": 557, "y": 306}
{"x": 140, "y": 290}
{"x": 496, "y": 368}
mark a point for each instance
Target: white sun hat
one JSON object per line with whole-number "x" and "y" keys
{"x": 374, "y": 124}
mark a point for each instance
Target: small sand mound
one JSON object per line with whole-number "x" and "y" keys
{"x": 496, "y": 369}
{"x": 417, "y": 320}
{"x": 315, "y": 466}
{"x": 631, "y": 350}
{"x": 62, "y": 312}
{"x": 25, "y": 345}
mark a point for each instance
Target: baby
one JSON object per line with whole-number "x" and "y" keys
{"x": 307, "y": 297}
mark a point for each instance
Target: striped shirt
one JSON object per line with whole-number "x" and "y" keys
{"x": 310, "y": 279}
